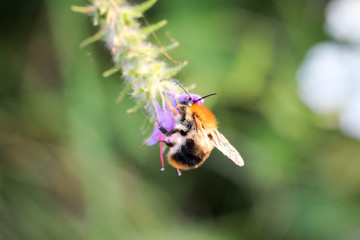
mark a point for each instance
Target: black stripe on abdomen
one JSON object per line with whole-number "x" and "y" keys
{"x": 189, "y": 154}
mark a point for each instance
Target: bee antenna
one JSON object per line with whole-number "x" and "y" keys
{"x": 205, "y": 97}
{"x": 184, "y": 89}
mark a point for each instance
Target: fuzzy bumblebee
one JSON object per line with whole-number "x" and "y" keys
{"x": 193, "y": 135}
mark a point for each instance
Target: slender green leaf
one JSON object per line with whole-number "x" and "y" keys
{"x": 154, "y": 27}
{"x": 92, "y": 39}
{"x": 145, "y": 6}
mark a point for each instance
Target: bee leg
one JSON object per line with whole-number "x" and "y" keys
{"x": 182, "y": 112}
{"x": 168, "y": 143}
{"x": 162, "y": 129}
{"x": 179, "y": 172}
{"x": 171, "y": 132}
{"x": 176, "y": 130}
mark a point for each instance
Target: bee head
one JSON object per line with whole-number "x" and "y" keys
{"x": 189, "y": 100}
{"x": 202, "y": 98}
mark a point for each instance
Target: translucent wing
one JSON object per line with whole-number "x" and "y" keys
{"x": 226, "y": 148}
{"x": 203, "y": 138}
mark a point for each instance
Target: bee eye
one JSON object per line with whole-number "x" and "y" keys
{"x": 187, "y": 103}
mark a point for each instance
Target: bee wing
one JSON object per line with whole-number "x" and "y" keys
{"x": 226, "y": 148}
{"x": 203, "y": 135}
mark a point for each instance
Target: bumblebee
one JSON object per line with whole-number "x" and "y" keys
{"x": 194, "y": 137}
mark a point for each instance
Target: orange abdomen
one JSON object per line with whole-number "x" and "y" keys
{"x": 205, "y": 116}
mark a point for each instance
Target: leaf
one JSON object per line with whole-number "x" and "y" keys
{"x": 154, "y": 27}
{"x": 110, "y": 72}
{"x": 134, "y": 109}
{"x": 92, "y": 39}
{"x": 123, "y": 92}
{"x": 144, "y": 6}
{"x": 170, "y": 47}
{"x": 87, "y": 9}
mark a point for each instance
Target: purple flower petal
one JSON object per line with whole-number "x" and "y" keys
{"x": 155, "y": 137}
{"x": 166, "y": 119}
{"x": 184, "y": 97}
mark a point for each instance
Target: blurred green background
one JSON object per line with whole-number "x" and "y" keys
{"x": 70, "y": 165}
